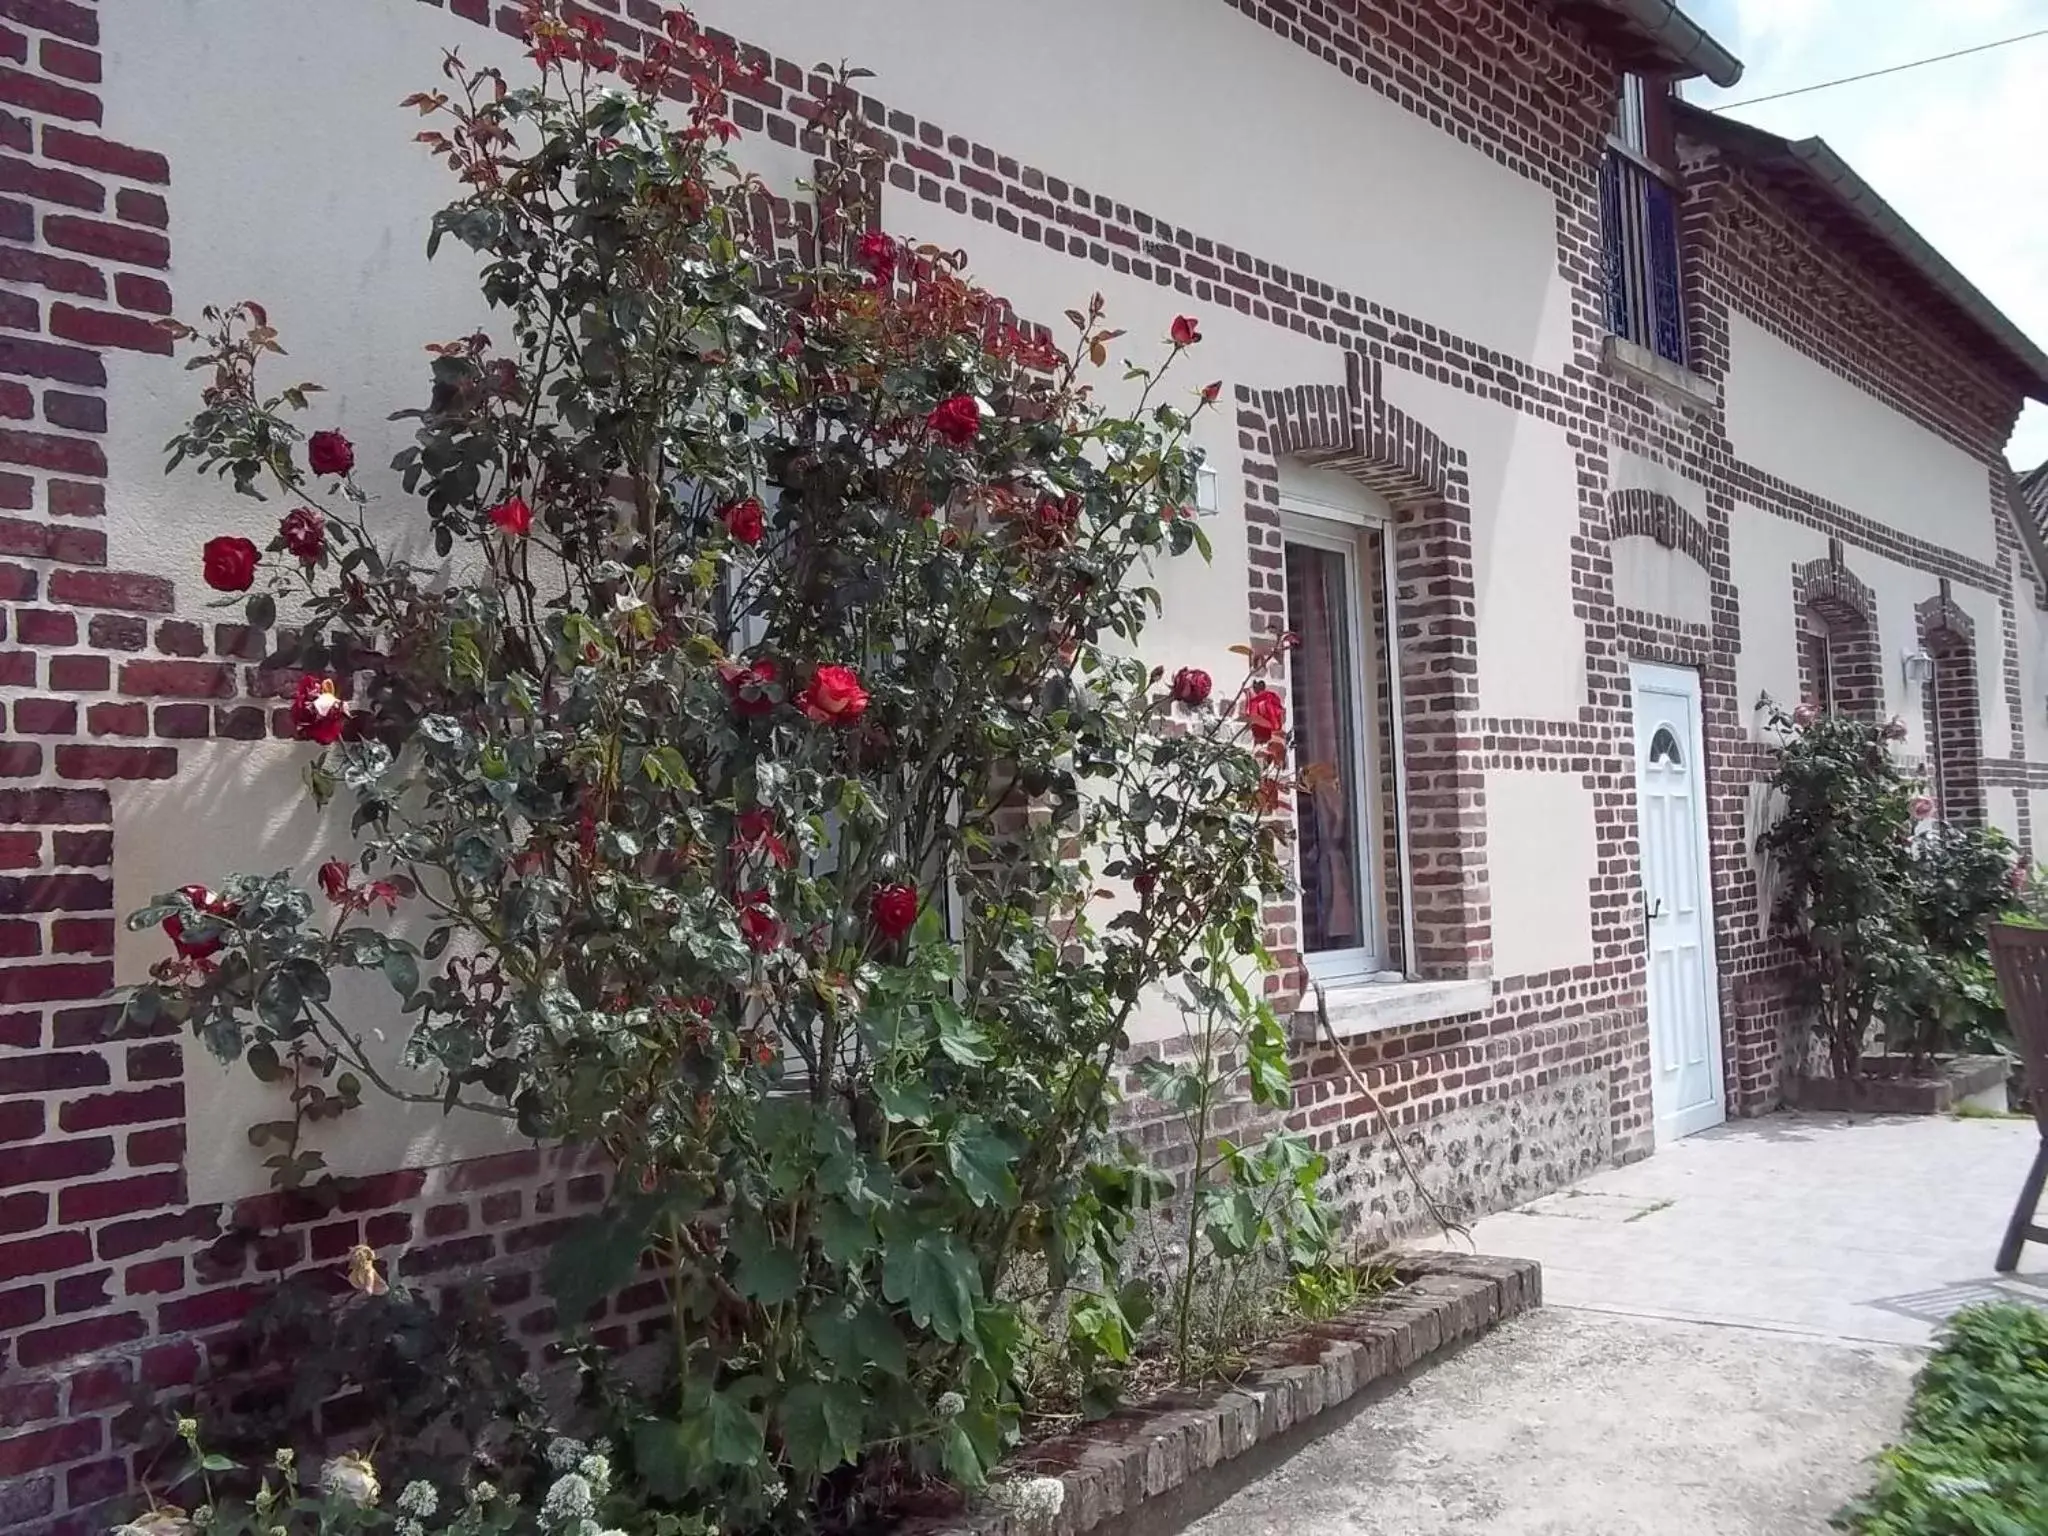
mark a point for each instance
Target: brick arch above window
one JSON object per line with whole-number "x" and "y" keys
{"x": 1350, "y": 428}
{"x": 1950, "y": 710}
{"x": 1837, "y": 609}
{"x": 1654, "y": 515}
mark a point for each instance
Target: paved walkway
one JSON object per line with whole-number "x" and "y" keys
{"x": 1729, "y": 1331}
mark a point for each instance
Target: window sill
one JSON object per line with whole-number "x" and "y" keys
{"x": 1376, "y": 1007}
{"x": 1640, "y": 365}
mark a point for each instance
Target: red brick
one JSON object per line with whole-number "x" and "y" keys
{"x": 54, "y": 893}
{"x": 376, "y": 1191}
{"x": 19, "y": 760}
{"x": 170, "y": 1365}
{"x": 46, "y": 360}
{"x": 17, "y": 401}
{"x": 120, "y": 1239}
{"x": 134, "y": 291}
{"x": 46, "y": 717}
{"x": 91, "y": 1481}
{"x": 91, "y": 1026}
{"x": 17, "y": 669}
{"x": 117, "y": 632}
{"x": 151, "y": 1063}
{"x": 245, "y": 723}
{"x": 98, "y": 763}
{"x": 178, "y": 679}
{"x": 112, "y": 589}
{"x": 47, "y": 450}
{"x": 73, "y": 63}
{"x": 178, "y": 637}
{"x": 45, "y": 626}
{"x": 120, "y": 1197}
{"x": 17, "y": 492}
{"x": 44, "y": 1255}
{"x": 48, "y": 271}
{"x": 82, "y": 936}
{"x": 18, "y": 311}
{"x": 107, "y": 327}
{"x": 31, "y": 807}
{"x": 27, "y": 1402}
{"x": 446, "y": 1220}
{"x": 141, "y": 208}
{"x": 38, "y": 93}
{"x": 17, "y": 220}
{"x": 80, "y": 674}
{"x": 49, "y": 184}
{"x": 77, "y": 413}
{"x": 17, "y": 583}
{"x": 501, "y": 1168}
{"x": 22, "y": 1032}
{"x": 135, "y": 1107}
{"x": 22, "y": 1306}
{"x": 20, "y": 850}
{"x": 77, "y": 498}
{"x": 67, "y": 1341}
{"x": 159, "y": 1144}
{"x": 97, "y": 237}
{"x": 105, "y": 719}
{"x": 20, "y": 938}
{"x": 77, "y": 23}
{"x": 91, "y": 848}
{"x": 98, "y": 154}
{"x": 183, "y": 722}
{"x": 208, "y": 1309}
{"x": 154, "y": 1277}
{"x": 49, "y": 1447}
{"x": 24, "y": 1212}
{"x": 13, "y": 45}
{"x": 16, "y": 132}
{"x": 53, "y": 1072}
{"x": 55, "y": 983}
{"x": 81, "y": 1293}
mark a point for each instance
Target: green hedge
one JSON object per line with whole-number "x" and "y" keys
{"x": 1974, "y": 1461}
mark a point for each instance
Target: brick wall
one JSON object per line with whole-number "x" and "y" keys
{"x": 110, "y": 1277}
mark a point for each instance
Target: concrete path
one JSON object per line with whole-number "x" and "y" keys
{"x": 1729, "y": 1331}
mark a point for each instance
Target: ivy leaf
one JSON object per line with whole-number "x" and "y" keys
{"x": 931, "y": 1277}
{"x": 980, "y": 1162}
{"x": 821, "y": 1424}
{"x": 768, "y": 1272}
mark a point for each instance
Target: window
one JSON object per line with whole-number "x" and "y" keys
{"x": 1816, "y": 664}
{"x": 1639, "y": 223}
{"x": 1349, "y": 864}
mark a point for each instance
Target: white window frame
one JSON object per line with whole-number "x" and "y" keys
{"x": 1341, "y": 530}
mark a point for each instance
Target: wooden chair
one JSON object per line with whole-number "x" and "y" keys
{"x": 2020, "y": 956}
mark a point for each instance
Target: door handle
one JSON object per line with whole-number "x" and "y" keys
{"x": 1652, "y": 909}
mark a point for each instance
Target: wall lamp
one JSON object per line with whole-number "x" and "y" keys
{"x": 1919, "y": 667}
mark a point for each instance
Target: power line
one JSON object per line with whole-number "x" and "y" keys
{"x": 1939, "y": 58}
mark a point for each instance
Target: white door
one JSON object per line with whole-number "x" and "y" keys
{"x": 1677, "y": 908}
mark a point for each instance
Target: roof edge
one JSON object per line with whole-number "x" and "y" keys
{"x": 1687, "y": 44}
{"x": 1817, "y": 160}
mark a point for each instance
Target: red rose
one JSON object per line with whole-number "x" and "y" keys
{"x": 329, "y": 453}
{"x": 318, "y": 712}
{"x": 304, "y": 532}
{"x": 1922, "y": 807}
{"x": 334, "y": 879}
{"x": 750, "y": 686}
{"x": 1185, "y": 332}
{"x": 1895, "y": 729}
{"x": 754, "y": 832}
{"x": 229, "y": 563}
{"x": 835, "y": 696}
{"x": 1210, "y": 391}
{"x": 758, "y": 923}
{"x": 210, "y": 903}
{"x": 957, "y": 420}
{"x": 894, "y": 909}
{"x": 1266, "y": 714}
{"x": 878, "y": 256}
{"x": 513, "y": 515}
{"x": 744, "y": 521}
{"x": 1191, "y": 687}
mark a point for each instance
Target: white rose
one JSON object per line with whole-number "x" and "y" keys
{"x": 351, "y": 1479}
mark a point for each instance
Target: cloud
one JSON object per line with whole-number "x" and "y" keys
{"x": 1954, "y": 147}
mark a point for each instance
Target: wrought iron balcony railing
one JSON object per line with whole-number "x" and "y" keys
{"x": 1639, "y": 223}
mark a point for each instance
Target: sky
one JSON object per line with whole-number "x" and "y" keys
{"x": 1960, "y": 149}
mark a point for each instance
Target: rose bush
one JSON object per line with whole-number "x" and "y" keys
{"x": 811, "y": 861}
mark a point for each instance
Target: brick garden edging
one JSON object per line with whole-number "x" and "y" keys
{"x": 1159, "y": 1466}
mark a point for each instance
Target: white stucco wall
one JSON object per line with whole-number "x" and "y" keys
{"x": 1540, "y": 847}
{"x": 1793, "y": 418}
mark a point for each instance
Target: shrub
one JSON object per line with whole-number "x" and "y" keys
{"x": 773, "y": 774}
{"x": 1974, "y": 1460}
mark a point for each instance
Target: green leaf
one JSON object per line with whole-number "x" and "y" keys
{"x": 262, "y": 1059}
{"x": 821, "y": 1424}
{"x": 598, "y": 1255}
{"x": 934, "y": 1280}
{"x": 846, "y": 1235}
{"x": 1231, "y": 1221}
{"x": 766, "y": 1271}
{"x": 980, "y": 1162}
{"x": 724, "y": 1428}
{"x": 959, "y": 1036}
{"x": 906, "y": 1103}
{"x": 278, "y": 1002}
{"x": 402, "y": 971}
